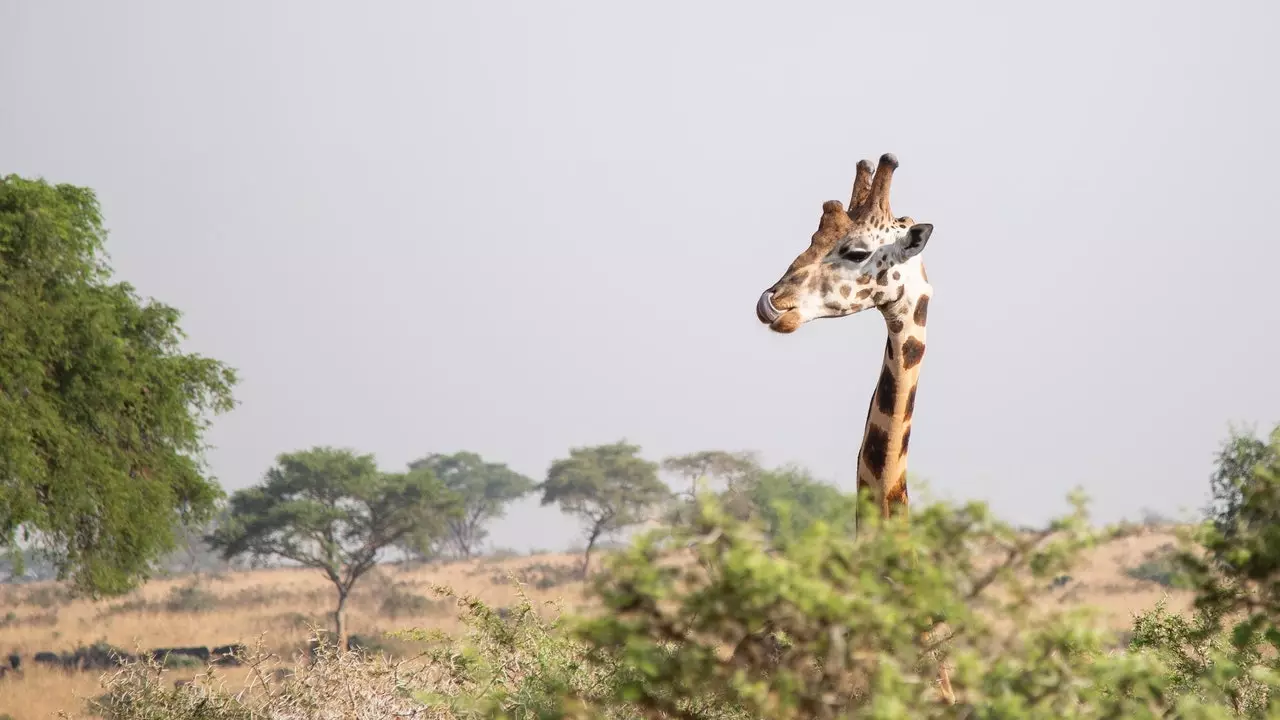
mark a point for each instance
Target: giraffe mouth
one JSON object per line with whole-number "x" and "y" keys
{"x": 765, "y": 310}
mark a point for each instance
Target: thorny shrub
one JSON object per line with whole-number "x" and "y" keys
{"x": 336, "y": 685}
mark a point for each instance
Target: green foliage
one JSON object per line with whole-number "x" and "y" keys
{"x": 1233, "y": 472}
{"x": 789, "y": 500}
{"x": 829, "y": 626}
{"x": 101, "y": 415}
{"x": 712, "y": 465}
{"x": 484, "y": 490}
{"x": 1227, "y": 652}
{"x": 608, "y": 486}
{"x": 519, "y": 666}
{"x": 721, "y": 618}
{"x": 1206, "y": 664}
{"x": 332, "y": 510}
{"x": 708, "y": 470}
{"x": 708, "y": 621}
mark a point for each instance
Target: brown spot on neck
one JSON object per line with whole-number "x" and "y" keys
{"x": 875, "y": 448}
{"x": 912, "y": 352}
{"x": 895, "y": 496}
{"x": 886, "y": 391}
{"x": 921, "y": 315}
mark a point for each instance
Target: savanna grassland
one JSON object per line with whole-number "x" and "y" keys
{"x": 281, "y": 605}
{"x": 278, "y": 605}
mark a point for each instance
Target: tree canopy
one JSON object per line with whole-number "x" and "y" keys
{"x": 483, "y": 488}
{"x": 728, "y": 467}
{"x": 609, "y": 487}
{"x": 101, "y": 414}
{"x": 787, "y": 500}
{"x": 1233, "y": 477}
{"x": 332, "y": 510}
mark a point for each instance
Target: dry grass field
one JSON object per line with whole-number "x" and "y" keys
{"x": 279, "y": 605}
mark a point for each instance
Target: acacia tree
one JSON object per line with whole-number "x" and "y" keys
{"x": 608, "y": 487}
{"x": 731, "y": 468}
{"x": 101, "y": 415}
{"x": 484, "y": 489}
{"x": 330, "y": 509}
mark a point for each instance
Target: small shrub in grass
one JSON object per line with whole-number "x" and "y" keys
{"x": 1162, "y": 566}
{"x": 515, "y": 664}
{"x": 180, "y": 662}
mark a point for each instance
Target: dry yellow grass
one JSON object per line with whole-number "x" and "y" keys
{"x": 278, "y": 602}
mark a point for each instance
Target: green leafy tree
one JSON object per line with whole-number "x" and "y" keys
{"x": 713, "y": 465}
{"x": 484, "y": 489}
{"x": 608, "y": 487}
{"x": 787, "y": 500}
{"x": 101, "y": 415}
{"x": 703, "y": 470}
{"x": 1227, "y": 649}
{"x": 1233, "y": 472}
{"x": 422, "y": 546}
{"x": 332, "y": 510}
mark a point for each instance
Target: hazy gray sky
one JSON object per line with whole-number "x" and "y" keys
{"x": 518, "y": 227}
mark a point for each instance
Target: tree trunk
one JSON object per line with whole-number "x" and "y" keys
{"x": 340, "y": 619}
{"x": 591, "y": 543}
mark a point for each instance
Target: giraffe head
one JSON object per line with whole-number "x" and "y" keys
{"x": 856, "y": 260}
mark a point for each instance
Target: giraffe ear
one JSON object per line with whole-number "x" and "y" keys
{"x": 915, "y": 239}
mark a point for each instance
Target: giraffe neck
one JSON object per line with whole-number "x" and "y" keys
{"x": 882, "y": 459}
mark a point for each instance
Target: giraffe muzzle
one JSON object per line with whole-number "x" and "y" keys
{"x": 765, "y": 311}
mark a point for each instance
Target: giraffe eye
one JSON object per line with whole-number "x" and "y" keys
{"x": 855, "y": 255}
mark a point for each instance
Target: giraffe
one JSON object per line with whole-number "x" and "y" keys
{"x": 860, "y": 259}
